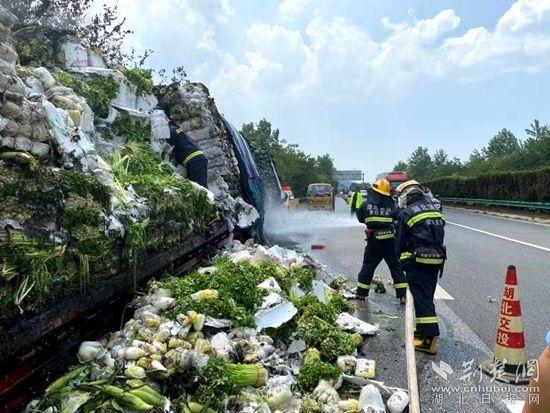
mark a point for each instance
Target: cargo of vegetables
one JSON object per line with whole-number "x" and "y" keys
{"x": 88, "y": 186}
{"x": 194, "y": 344}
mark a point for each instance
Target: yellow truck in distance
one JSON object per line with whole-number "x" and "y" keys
{"x": 320, "y": 196}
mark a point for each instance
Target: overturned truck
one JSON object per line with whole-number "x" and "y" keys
{"x": 90, "y": 205}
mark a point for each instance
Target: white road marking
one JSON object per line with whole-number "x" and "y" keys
{"x": 523, "y": 221}
{"x": 501, "y": 237}
{"x": 441, "y": 294}
{"x": 515, "y": 406}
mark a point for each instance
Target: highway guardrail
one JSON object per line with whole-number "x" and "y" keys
{"x": 542, "y": 206}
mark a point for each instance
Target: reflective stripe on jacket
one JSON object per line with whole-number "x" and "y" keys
{"x": 421, "y": 232}
{"x": 185, "y": 148}
{"x": 378, "y": 212}
{"x": 191, "y": 156}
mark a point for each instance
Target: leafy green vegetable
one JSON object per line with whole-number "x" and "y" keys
{"x": 132, "y": 129}
{"x": 220, "y": 379}
{"x": 98, "y": 91}
{"x": 314, "y": 370}
{"x": 236, "y": 284}
{"x": 310, "y": 306}
{"x": 303, "y": 276}
{"x": 330, "y": 341}
{"x": 339, "y": 303}
{"x": 141, "y": 78}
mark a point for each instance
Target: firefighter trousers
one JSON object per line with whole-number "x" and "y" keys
{"x": 197, "y": 170}
{"x": 376, "y": 251}
{"x": 422, "y": 280}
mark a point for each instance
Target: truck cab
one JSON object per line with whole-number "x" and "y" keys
{"x": 320, "y": 196}
{"x": 395, "y": 178}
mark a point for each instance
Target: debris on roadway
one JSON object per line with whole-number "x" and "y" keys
{"x": 247, "y": 333}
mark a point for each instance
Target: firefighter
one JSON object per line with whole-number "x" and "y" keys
{"x": 378, "y": 212}
{"x": 404, "y": 188}
{"x": 188, "y": 153}
{"x": 355, "y": 201}
{"x": 419, "y": 242}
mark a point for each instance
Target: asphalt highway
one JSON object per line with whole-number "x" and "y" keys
{"x": 480, "y": 248}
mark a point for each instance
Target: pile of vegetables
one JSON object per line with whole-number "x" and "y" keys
{"x": 192, "y": 347}
{"x": 56, "y": 239}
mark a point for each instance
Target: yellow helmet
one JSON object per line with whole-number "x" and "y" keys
{"x": 382, "y": 186}
{"x": 406, "y": 184}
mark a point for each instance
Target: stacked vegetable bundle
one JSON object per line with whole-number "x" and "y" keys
{"x": 59, "y": 229}
{"x": 195, "y": 345}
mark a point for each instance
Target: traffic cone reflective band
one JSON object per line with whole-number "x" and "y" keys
{"x": 509, "y": 362}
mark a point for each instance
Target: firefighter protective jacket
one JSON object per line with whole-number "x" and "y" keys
{"x": 421, "y": 231}
{"x": 378, "y": 212}
{"x": 355, "y": 201}
{"x": 184, "y": 147}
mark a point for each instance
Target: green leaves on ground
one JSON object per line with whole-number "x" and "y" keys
{"x": 237, "y": 286}
{"x": 324, "y": 336}
{"x": 220, "y": 379}
{"x": 313, "y": 370}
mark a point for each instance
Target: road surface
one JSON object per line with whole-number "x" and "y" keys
{"x": 480, "y": 248}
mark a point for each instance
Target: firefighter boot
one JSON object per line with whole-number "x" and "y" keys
{"x": 426, "y": 344}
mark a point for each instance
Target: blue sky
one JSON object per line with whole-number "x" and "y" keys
{"x": 365, "y": 81}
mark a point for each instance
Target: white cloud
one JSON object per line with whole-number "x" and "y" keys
{"x": 334, "y": 58}
{"x": 291, "y": 9}
{"x": 328, "y": 56}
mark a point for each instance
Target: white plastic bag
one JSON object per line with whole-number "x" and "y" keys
{"x": 370, "y": 400}
{"x": 347, "y": 322}
{"x": 398, "y": 401}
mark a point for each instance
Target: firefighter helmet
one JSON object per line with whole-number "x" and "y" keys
{"x": 382, "y": 186}
{"x": 407, "y": 184}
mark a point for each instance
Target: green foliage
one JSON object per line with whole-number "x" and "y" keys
{"x": 135, "y": 244}
{"x": 236, "y": 284}
{"x": 76, "y": 202}
{"x": 32, "y": 52}
{"x": 132, "y": 129}
{"x": 313, "y": 370}
{"x": 173, "y": 213}
{"x": 98, "y": 91}
{"x": 516, "y": 186}
{"x": 141, "y": 78}
{"x": 220, "y": 379}
{"x": 310, "y": 306}
{"x": 261, "y": 136}
{"x": 295, "y": 168}
{"x": 303, "y": 276}
{"x": 504, "y": 143}
{"x": 504, "y": 153}
{"x": 400, "y": 167}
{"x": 78, "y": 210}
{"x": 339, "y": 303}
{"x": 80, "y": 183}
{"x": 330, "y": 341}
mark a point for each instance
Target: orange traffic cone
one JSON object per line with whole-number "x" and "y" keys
{"x": 509, "y": 363}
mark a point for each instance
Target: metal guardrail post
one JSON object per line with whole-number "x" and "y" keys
{"x": 412, "y": 379}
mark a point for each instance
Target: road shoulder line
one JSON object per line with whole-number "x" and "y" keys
{"x": 441, "y": 294}
{"x": 493, "y": 215}
{"x": 500, "y": 236}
